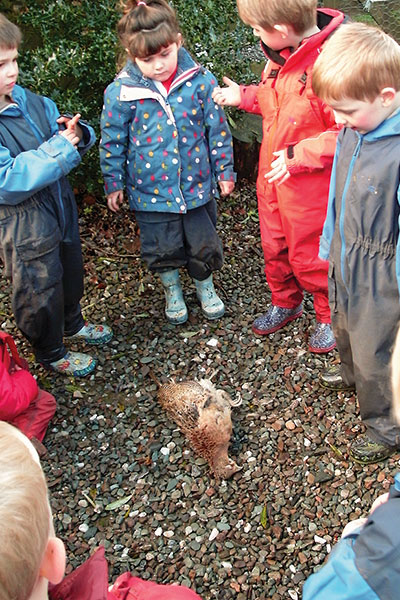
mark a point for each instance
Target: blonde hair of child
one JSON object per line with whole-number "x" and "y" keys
{"x": 300, "y": 14}
{"x": 396, "y": 379}
{"x": 24, "y": 516}
{"x": 10, "y": 35}
{"x": 147, "y": 26}
{"x": 357, "y": 62}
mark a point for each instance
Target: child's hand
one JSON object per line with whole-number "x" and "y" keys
{"x": 114, "y": 200}
{"x": 379, "y": 501}
{"x": 72, "y": 131}
{"x": 279, "y": 169}
{"x": 226, "y": 187}
{"x": 353, "y": 526}
{"x": 228, "y": 96}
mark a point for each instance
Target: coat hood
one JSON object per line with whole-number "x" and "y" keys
{"x": 388, "y": 128}
{"x": 186, "y": 68}
{"x": 327, "y": 21}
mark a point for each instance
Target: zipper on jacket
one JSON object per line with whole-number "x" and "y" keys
{"x": 41, "y": 139}
{"x": 177, "y": 145}
{"x": 343, "y": 210}
{"x": 272, "y": 130}
{"x": 39, "y": 135}
{"x": 60, "y": 198}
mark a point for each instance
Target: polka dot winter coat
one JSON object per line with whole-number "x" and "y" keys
{"x": 167, "y": 150}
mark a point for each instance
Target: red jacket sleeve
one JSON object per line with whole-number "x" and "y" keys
{"x": 127, "y": 587}
{"x": 248, "y": 99}
{"x": 17, "y": 390}
{"x": 314, "y": 153}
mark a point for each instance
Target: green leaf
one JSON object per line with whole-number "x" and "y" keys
{"x": 264, "y": 517}
{"x": 189, "y": 334}
{"x": 118, "y": 503}
{"x": 335, "y": 450}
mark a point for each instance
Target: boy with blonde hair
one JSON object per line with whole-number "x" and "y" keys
{"x": 27, "y": 541}
{"x": 31, "y": 555}
{"x": 358, "y": 75}
{"x": 299, "y": 138}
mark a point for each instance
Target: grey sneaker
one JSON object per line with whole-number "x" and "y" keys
{"x": 365, "y": 450}
{"x": 332, "y": 379}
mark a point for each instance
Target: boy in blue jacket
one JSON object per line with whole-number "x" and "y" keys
{"x": 39, "y": 236}
{"x": 358, "y": 75}
{"x": 365, "y": 564}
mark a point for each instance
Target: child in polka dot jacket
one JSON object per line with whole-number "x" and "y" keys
{"x": 166, "y": 143}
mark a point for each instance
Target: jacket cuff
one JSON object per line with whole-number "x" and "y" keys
{"x": 246, "y": 98}
{"x": 112, "y": 185}
{"x": 292, "y": 165}
{"x": 227, "y": 176}
{"x": 63, "y": 151}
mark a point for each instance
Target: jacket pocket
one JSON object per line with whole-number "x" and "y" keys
{"x": 41, "y": 260}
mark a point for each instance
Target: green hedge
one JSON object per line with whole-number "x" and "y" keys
{"x": 69, "y": 52}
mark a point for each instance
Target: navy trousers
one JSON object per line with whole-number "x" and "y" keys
{"x": 170, "y": 241}
{"x": 41, "y": 251}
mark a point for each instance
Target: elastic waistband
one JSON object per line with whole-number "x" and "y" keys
{"x": 8, "y": 210}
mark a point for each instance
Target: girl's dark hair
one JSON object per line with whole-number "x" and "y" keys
{"x": 147, "y": 26}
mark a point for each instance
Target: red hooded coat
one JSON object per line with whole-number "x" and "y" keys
{"x": 292, "y": 214}
{"x": 22, "y": 403}
{"x": 90, "y": 582}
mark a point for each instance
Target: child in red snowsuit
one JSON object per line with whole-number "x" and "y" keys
{"x": 299, "y": 139}
{"x": 22, "y": 403}
{"x": 32, "y": 558}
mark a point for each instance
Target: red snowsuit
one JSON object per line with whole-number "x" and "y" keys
{"x": 22, "y": 403}
{"x": 292, "y": 214}
{"x": 90, "y": 582}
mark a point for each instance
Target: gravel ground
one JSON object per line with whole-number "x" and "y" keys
{"x": 122, "y": 475}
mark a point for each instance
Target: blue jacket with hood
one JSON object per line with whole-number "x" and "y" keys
{"x": 32, "y": 154}
{"x": 167, "y": 150}
{"x": 364, "y": 565}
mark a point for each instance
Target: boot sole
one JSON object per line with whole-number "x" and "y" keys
{"x": 370, "y": 461}
{"x": 277, "y": 327}
{"x": 93, "y": 342}
{"x": 213, "y": 317}
{"x": 77, "y": 373}
{"x": 336, "y": 388}
{"x": 179, "y": 321}
{"x": 322, "y": 350}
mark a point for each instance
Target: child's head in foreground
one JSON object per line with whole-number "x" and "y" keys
{"x": 30, "y": 555}
{"x": 301, "y": 15}
{"x": 10, "y": 38}
{"x": 150, "y": 33}
{"x": 358, "y": 75}
{"x": 10, "y": 35}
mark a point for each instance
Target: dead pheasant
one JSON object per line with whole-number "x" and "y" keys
{"x": 203, "y": 413}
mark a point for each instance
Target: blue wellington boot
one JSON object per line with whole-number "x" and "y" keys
{"x": 211, "y": 304}
{"x": 175, "y": 307}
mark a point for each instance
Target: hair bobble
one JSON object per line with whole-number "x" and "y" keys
{"x": 141, "y": 2}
